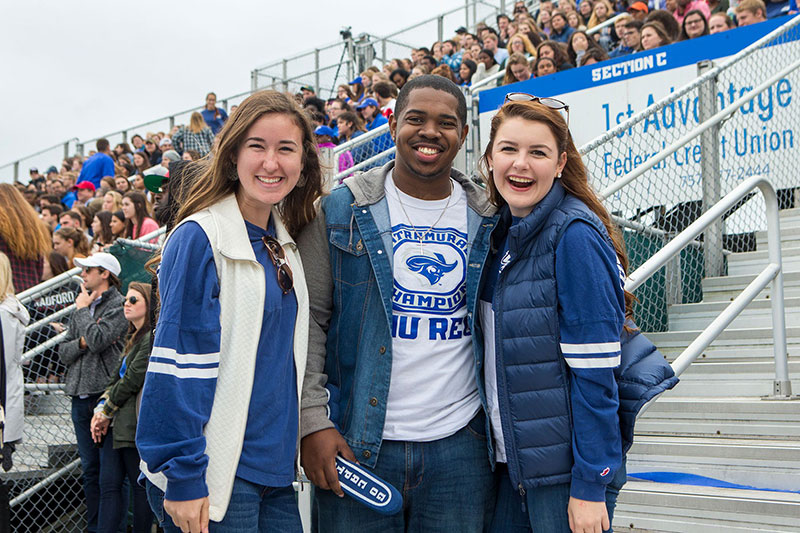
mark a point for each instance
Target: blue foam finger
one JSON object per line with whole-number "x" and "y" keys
{"x": 367, "y": 488}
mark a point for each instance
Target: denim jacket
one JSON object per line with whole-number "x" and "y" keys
{"x": 347, "y": 254}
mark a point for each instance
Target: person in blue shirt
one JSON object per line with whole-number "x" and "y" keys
{"x": 99, "y": 165}
{"x": 214, "y": 116}
{"x": 552, "y": 312}
{"x": 370, "y": 112}
{"x": 561, "y": 30}
{"x": 219, "y": 421}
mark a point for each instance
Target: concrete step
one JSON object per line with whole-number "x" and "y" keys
{"x": 730, "y": 338}
{"x": 790, "y": 235}
{"x": 661, "y": 507}
{"x": 742, "y": 378}
{"x": 757, "y": 314}
{"x": 725, "y": 289}
{"x": 754, "y": 262}
{"x": 765, "y": 464}
{"x": 727, "y": 417}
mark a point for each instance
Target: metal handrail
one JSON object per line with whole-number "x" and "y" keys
{"x": 719, "y": 117}
{"x": 773, "y": 272}
{"x": 361, "y": 139}
{"x": 364, "y": 164}
{"x": 40, "y": 152}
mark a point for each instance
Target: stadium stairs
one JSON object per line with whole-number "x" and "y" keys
{"x": 715, "y": 425}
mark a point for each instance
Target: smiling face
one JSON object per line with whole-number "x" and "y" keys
{"x": 524, "y": 161}
{"x": 122, "y": 184}
{"x": 557, "y": 22}
{"x": 464, "y": 72}
{"x": 269, "y": 163}
{"x": 517, "y": 46}
{"x": 428, "y": 135}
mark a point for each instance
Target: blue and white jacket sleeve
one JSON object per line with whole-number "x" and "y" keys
{"x": 182, "y": 373}
{"x": 591, "y": 317}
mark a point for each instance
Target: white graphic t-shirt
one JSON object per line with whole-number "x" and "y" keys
{"x": 433, "y": 392}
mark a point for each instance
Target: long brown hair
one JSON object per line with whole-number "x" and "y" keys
{"x": 79, "y": 241}
{"x": 214, "y": 174}
{"x": 139, "y": 201}
{"x": 26, "y": 236}
{"x": 573, "y": 177}
{"x": 196, "y": 123}
{"x": 135, "y": 334}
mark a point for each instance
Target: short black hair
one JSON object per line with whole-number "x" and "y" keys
{"x": 634, "y": 25}
{"x": 439, "y": 83}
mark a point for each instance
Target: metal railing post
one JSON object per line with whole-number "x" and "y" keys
{"x": 476, "y": 133}
{"x": 440, "y": 28}
{"x": 171, "y": 122}
{"x": 316, "y": 70}
{"x": 16, "y": 171}
{"x": 713, "y": 259}
{"x": 466, "y": 13}
{"x": 225, "y": 105}
{"x": 253, "y": 80}
{"x": 79, "y": 149}
{"x": 329, "y": 168}
{"x": 125, "y": 136}
{"x": 383, "y": 51}
{"x": 66, "y": 147}
{"x": 285, "y": 74}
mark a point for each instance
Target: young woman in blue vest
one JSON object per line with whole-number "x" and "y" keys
{"x": 218, "y": 426}
{"x": 551, "y": 313}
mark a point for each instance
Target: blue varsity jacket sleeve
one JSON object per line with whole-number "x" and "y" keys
{"x": 591, "y": 316}
{"x": 182, "y": 373}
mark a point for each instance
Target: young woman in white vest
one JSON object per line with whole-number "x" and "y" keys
{"x": 218, "y": 425}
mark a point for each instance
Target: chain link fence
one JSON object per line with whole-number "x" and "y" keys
{"x": 686, "y": 151}
{"x": 44, "y": 484}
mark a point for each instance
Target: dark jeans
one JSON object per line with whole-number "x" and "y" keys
{"x": 82, "y": 412}
{"x": 447, "y": 485}
{"x": 115, "y": 466}
{"x": 251, "y": 508}
{"x": 545, "y": 508}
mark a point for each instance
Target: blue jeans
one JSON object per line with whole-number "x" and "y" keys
{"x": 545, "y": 508}
{"x": 447, "y": 485}
{"x": 115, "y": 465}
{"x": 82, "y": 412}
{"x": 251, "y": 508}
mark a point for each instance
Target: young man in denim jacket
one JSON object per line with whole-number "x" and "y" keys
{"x": 393, "y": 263}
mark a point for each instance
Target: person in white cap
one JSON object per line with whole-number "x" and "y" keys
{"x": 91, "y": 350}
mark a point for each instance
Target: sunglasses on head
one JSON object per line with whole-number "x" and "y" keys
{"x": 278, "y": 258}
{"x": 131, "y": 300}
{"x": 552, "y": 103}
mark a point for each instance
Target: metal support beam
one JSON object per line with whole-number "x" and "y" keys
{"x": 253, "y": 80}
{"x": 16, "y": 171}
{"x": 713, "y": 259}
{"x": 285, "y": 73}
{"x": 440, "y": 28}
{"x": 66, "y": 146}
{"x": 316, "y": 70}
{"x": 125, "y": 136}
{"x": 171, "y": 122}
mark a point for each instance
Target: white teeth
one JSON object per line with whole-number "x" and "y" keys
{"x": 427, "y": 151}
{"x": 268, "y": 181}
{"x": 517, "y": 179}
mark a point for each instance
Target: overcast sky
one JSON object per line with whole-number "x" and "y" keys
{"x": 83, "y": 68}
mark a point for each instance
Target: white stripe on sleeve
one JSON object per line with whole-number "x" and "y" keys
{"x": 182, "y": 373}
{"x": 185, "y": 358}
{"x": 593, "y": 362}
{"x": 598, "y": 348}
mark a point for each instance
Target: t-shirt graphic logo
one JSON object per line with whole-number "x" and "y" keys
{"x": 433, "y": 268}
